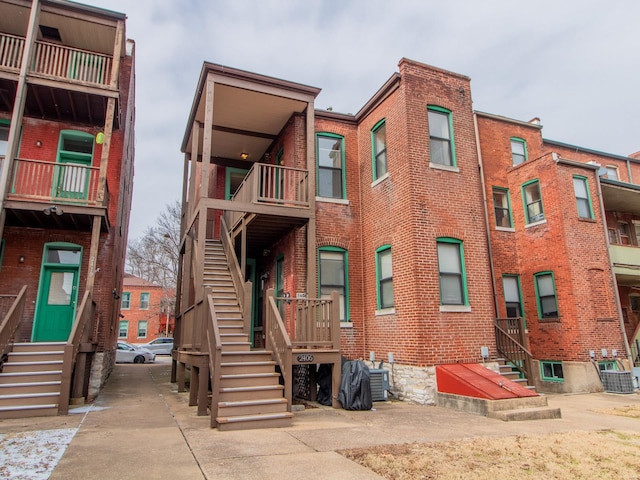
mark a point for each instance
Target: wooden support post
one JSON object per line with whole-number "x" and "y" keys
{"x": 336, "y": 377}
{"x": 173, "y": 370}
{"x": 93, "y": 253}
{"x": 77, "y": 390}
{"x": 203, "y": 390}
{"x": 106, "y": 146}
{"x": 193, "y": 386}
{"x": 181, "y": 380}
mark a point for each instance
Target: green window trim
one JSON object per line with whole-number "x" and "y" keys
{"x": 144, "y": 300}
{"x": 583, "y": 198}
{"x": 607, "y": 365}
{"x": 544, "y": 297}
{"x": 143, "y": 329}
{"x": 502, "y": 209}
{"x": 319, "y": 168}
{"x": 551, "y": 371}
{"x": 125, "y": 302}
{"x": 280, "y": 157}
{"x": 518, "y": 156}
{"x": 382, "y": 281}
{"x": 533, "y": 207}
{"x": 379, "y": 163}
{"x": 450, "y": 139}
{"x": 444, "y": 275}
{"x": 345, "y": 296}
{"x": 230, "y": 173}
{"x": 123, "y": 327}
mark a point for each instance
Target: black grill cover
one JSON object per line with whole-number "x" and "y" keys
{"x": 355, "y": 386}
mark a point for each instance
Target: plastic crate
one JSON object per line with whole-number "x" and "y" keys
{"x": 617, "y": 382}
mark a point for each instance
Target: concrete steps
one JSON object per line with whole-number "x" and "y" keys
{"x": 31, "y": 380}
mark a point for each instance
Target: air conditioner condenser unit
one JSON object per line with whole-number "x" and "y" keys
{"x": 379, "y": 379}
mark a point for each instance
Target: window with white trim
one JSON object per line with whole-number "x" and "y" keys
{"x": 451, "y": 272}
{"x": 518, "y": 151}
{"x": 330, "y": 155}
{"x": 441, "y": 146}
{"x": 384, "y": 272}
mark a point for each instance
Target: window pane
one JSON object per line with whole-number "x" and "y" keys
{"x": 60, "y": 288}
{"x": 331, "y": 268}
{"x": 438, "y": 124}
{"x": 449, "y": 258}
{"x": 532, "y": 192}
{"x": 517, "y": 147}
{"x": 385, "y": 264}
{"x": 330, "y": 152}
{"x": 144, "y": 301}
{"x": 545, "y": 285}
{"x": 451, "y": 290}
{"x": 549, "y": 306}
{"x": 123, "y": 329}
{"x": 4, "y": 137}
{"x": 330, "y": 183}
{"x": 612, "y": 173}
{"x": 78, "y": 144}
{"x": 69, "y": 257}
{"x": 580, "y": 187}
{"x": 501, "y": 208}
{"x": 583, "y": 208}
{"x": 510, "y": 285}
{"x": 557, "y": 370}
{"x": 142, "y": 328}
{"x": 386, "y": 294}
{"x": 440, "y": 152}
{"x": 547, "y": 370}
{"x": 380, "y": 138}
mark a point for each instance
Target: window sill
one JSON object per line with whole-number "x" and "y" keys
{"x": 455, "y": 308}
{"x": 535, "y": 224}
{"x": 449, "y": 168}
{"x": 505, "y": 229}
{"x": 340, "y": 201}
{"x": 385, "y": 311}
{"x": 380, "y": 180}
{"x": 549, "y": 320}
{"x": 588, "y": 220}
{"x": 346, "y": 324}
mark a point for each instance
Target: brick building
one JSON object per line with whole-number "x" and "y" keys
{"x": 146, "y": 311}
{"x": 67, "y": 86}
{"x": 441, "y": 229}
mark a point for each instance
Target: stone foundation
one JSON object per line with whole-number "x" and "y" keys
{"x": 101, "y": 367}
{"x": 413, "y": 384}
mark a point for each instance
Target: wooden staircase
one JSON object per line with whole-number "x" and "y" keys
{"x": 31, "y": 379}
{"x": 508, "y": 371}
{"x": 250, "y": 394}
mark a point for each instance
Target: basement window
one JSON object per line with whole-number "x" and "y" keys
{"x": 606, "y": 365}
{"x": 551, "y": 371}
{"x": 50, "y": 33}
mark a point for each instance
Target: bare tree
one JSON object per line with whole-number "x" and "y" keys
{"x": 154, "y": 257}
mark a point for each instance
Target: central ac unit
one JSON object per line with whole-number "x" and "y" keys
{"x": 379, "y": 384}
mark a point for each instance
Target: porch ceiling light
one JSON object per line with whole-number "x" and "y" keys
{"x": 53, "y": 209}
{"x": 244, "y": 155}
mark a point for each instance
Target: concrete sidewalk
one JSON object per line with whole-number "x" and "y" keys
{"x": 140, "y": 427}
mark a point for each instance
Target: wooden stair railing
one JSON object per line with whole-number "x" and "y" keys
{"x": 78, "y": 345}
{"x": 11, "y": 320}
{"x": 278, "y": 341}
{"x": 510, "y": 341}
{"x": 214, "y": 343}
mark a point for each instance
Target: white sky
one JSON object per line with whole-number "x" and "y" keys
{"x": 573, "y": 63}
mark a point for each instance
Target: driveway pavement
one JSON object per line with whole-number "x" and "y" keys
{"x": 140, "y": 427}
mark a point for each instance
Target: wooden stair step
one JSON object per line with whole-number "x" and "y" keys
{"x": 236, "y": 346}
{"x": 25, "y": 411}
{"x": 37, "y": 346}
{"x": 25, "y": 377}
{"x": 28, "y": 399}
{"x": 231, "y": 380}
{"x": 244, "y": 422}
{"x": 252, "y": 407}
{"x": 30, "y": 387}
{"x": 250, "y": 393}
{"x": 231, "y": 368}
{"x": 12, "y": 367}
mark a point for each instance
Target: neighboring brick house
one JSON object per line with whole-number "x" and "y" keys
{"x": 433, "y": 223}
{"x": 145, "y": 311}
{"x": 67, "y": 119}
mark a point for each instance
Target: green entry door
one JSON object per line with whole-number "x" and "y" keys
{"x": 57, "y": 295}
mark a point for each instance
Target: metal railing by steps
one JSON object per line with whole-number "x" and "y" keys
{"x": 246, "y": 390}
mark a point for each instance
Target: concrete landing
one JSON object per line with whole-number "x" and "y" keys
{"x": 512, "y": 409}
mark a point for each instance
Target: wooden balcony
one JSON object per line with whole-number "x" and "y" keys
{"x": 271, "y": 199}
{"x": 57, "y": 62}
{"x": 54, "y": 182}
{"x": 54, "y": 195}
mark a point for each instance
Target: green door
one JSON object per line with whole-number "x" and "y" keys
{"x": 57, "y": 294}
{"x": 72, "y": 174}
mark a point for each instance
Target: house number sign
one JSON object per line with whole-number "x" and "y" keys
{"x": 305, "y": 358}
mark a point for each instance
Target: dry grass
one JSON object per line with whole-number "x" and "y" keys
{"x": 577, "y": 455}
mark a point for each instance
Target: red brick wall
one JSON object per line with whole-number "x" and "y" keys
{"x": 574, "y": 249}
{"x": 152, "y": 315}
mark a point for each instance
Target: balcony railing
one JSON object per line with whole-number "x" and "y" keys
{"x": 625, "y": 255}
{"x": 273, "y": 185}
{"x": 57, "y": 61}
{"x": 11, "y": 48}
{"x": 48, "y": 181}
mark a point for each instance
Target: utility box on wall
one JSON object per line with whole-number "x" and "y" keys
{"x": 379, "y": 379}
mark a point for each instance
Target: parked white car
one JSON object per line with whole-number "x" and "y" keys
{"x": 127, "y": 353}
{"x": 159, "y": 346}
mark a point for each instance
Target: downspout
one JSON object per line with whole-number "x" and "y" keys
{"x": 615, "y": 281}
{"x": 486, "y": 215}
